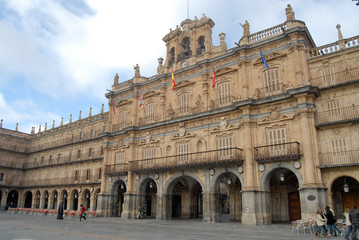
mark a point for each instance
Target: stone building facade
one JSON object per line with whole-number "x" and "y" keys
{"x": 275, "y": 138}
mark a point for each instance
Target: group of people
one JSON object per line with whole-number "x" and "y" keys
{"x": 60, "y": 212}
{"x": 326, "y": 220}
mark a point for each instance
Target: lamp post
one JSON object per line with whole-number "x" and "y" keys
{"x": 281, "y": 177}
{"x": 345, "y": 186}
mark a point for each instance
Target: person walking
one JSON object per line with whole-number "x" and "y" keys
{"x": 60, "y": 211}
{"x": 354, "y": 219}
{"x": 82, "y": 213}
{"x": 320, "y": 219}
{"x": 331, "y": 220}
{"x": 348, "y": 224}
{"x": 139, "y": 209}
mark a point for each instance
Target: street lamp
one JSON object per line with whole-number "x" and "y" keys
{"x": 65, "y": 195}
{"x": 122, "y": 186}
{"x": 345, "y": 186}
{"x": 151, "y": 186}
{"x": 229, "y": 181}
{"x": 281, "y": 177}
{"x": 87, "y": 195}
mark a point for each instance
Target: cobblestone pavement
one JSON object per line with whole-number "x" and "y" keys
{"x": 30, "y": 227}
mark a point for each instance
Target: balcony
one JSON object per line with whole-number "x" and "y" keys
{"x": 116, "y": 169}
{"x": 221, "y": 102}
{"x": 92, "y": 179}
{"x": 337, "y": 115}
{"x": 277, "y": 152}
{"x": 334, "y": 47}
{"x": 94, "y": 156}
{"x": 336, "y": 78}
{"x": 336, "y": 159}
{"x": 270, "y": 90}
{"x": 207, "y": 159}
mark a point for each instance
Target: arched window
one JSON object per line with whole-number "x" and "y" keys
{"x": 202, "y": 47}
{"x": 186, "y": 44}
{"x": 172, "y": 56}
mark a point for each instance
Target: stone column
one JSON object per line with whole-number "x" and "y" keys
{"x": 129, "y": 209}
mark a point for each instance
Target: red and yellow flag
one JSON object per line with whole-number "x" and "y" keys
{"x": 213, "y": 77}
{"x": 141, "y": 100}
{"x": 173, "y": 82}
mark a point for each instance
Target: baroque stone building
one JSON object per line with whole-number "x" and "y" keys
{"x": 275, "y": 138}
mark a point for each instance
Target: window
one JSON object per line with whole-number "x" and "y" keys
{"x": 42, "y": 161}
{"x": 276, "y": 139}
{"x": 149, "y": 154}
{"x": 339, "y": 147}
{"x": 34, "y": 164}
{"x": 334, "y": 110}
{"x": 328, "y": 76}
{"x": 182, "y": 151}
{"x": 1, "y": 177}
{"x": 172, "y": 56}
{"x": 70, "y": 155}
{"x": 149, "y": 112}
{"x": 186, "y": 44}
{"x": 88, "y": 174}
{"x": 101, "y": 151}
{"x": 90, "y": 152}
{"x": 120, "y": 157}
{"x": 99, "y": 173}
{"x": 50, "y": 159}
{"x": 226, "y": 144}
{"x": 224, "y": 93}
{"x": 104, "y": 129}
{"x": 271, "y": 82}
{"x": 78, "y": 153}
{"x": 184, "y": 103}
{"x": 122, "y": 122}
{"x": 58, "y": 157}
{"x": 76, "y": 175}
{"x": 202, "y": 46}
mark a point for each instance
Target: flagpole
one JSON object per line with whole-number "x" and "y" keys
{"x": 187, "y": 9}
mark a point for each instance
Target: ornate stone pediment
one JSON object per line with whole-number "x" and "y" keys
{"x": 224, "y": 70}
{"x": 120, "y": 145}
{"x": 150, "y": 94}
{"x": 184, "y": 83}
{"x": 269, "y": 57}
{"x": 148, "y": 140}
{"x": 123, "y": 102}
{"x": 182, "y": 134}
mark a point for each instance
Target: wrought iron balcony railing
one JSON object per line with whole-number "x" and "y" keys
{"x": 213, "y": 158}
{"x": 116, "y": 169}
{"x": 270, "y": 90}
{"x": 277, "y": 152}
{"x": 91, "y": 179}
{"x": 337, "y": 115}
{"x": 343, "y": 158}
{"x": 336, "y": 78}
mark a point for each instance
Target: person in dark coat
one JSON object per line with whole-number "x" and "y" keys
{"x": 329, "y": 214}
{"x": 60, "y": 212}
{"x": 354, "y": 219}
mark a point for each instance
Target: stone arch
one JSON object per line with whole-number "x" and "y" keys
{"x": 218, "y": 174}
{"x": 168, "y": 187}
{"x": 264, "y": 181}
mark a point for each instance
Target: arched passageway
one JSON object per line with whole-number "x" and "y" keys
{"x": 28, "y": 200}
{"x": 345, "y": 193}
{"x": 12, "y": 199}
{"x": 119, "y": 190}
{"x": 184, "y": 198}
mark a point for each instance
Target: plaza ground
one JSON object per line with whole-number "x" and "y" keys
{"x": 30, "y": 227}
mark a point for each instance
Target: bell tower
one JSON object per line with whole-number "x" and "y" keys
{"x": 191, "y": 43}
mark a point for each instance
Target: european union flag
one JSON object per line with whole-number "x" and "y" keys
{"x": 263, "y": 60}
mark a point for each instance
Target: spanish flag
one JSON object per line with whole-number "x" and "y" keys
{"x": 213, "y": 77}
{"x": 113, "y": 106}
{"x": 173, "y": 82}
{"x": 141, "y": 100}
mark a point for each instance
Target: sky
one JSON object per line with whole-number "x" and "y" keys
{"x": 58, "y": 57}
